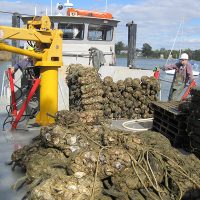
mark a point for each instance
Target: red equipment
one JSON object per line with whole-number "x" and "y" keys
{"x": 13, "y": 103}
{"x": 187, "y": 92}
{"x": 156, "y": 74}
{"x": 23, "y": 108}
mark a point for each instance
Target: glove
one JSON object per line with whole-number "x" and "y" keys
{"x": 163, "y": 68}
{"x": 12, "y": 69}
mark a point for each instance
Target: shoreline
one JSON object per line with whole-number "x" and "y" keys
{"x": 5, "y": 56}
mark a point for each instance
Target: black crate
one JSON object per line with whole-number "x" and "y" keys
{"x": 170, "y": 122}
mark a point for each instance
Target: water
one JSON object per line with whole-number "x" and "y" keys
{"x": 3, "y": 66}
{"x": 165, "y": 79}
{"x": 140, "y": 63}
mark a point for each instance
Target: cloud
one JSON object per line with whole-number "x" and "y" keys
{"x": 24, "y": 7}
{"x": 158, "y": 21}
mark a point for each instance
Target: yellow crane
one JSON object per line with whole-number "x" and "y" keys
{"x": 47, "y": 56}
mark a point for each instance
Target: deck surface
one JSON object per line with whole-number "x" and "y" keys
{"x": 11, "y": 140}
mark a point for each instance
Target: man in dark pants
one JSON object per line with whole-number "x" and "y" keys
{"x": 183, "y": 74}
{"x": 29, "y": 72}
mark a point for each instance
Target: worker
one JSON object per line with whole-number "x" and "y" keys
{"x": 97, "y": 57}
{"x": 29, "y": 74}
{"x": 183, "y": 75}
{"x": 23, "y": 64}
{"x": 156, "y": 71}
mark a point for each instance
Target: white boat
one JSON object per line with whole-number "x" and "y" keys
{"x": 82, "y": 31}
{"x": 80, "y": 34}
{"x": 172, "y": 71}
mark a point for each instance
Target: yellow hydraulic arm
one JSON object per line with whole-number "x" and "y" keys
{"x": 47, "y": 56}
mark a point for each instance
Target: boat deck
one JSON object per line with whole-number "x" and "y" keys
{"x": 12, "y": 140}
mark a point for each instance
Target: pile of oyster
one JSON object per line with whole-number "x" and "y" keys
{"x": 85, "y": 88}
{"x": 192, "y": 107}
{"x": 130, "y": 98}
{"x": 80, "y": 161}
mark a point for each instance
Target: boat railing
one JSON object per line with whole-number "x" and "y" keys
{"x": 195, "y": 67}
{"x": 5, "y": 88}
{"x": 82, "y": 54}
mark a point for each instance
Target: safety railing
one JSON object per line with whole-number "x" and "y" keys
{"x": 5, "y": 88}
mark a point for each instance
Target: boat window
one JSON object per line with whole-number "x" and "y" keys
{"x": 72, "y": 31}
{"x": 100, "y": 32}
{"x": 52, "y": 25}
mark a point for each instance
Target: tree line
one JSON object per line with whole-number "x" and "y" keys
{"x": 147, "y": 52}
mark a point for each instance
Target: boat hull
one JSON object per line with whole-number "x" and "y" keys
{"x": 171, "y": 72}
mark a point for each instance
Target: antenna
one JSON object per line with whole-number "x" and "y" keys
{"x": 51, "y": 8}
{"x": 68, "y": 4}
{"x": 35, "y": 10}
{"x": 106, "y": 7}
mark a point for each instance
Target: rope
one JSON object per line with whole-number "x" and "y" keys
{"x": 157, "y": 186}
{"x": 181, "y": 170}
{"x": 181, "y": 193}
{"x": 96, "y": 172}
{"x": 133, "y": 163}
{"x": 19, "y": 183}
{"x": 89, "y": 137}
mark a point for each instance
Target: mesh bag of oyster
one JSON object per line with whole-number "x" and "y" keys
{"x": 192, "y": 108}
{"x": 85, "y": 88}
{"x": 129, "y": 98}
{"x": 80, "y": 157}
{"x": 74, "y": 160}
{"x": 125, "y": 99}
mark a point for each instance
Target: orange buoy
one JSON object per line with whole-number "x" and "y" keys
{"x": 79, "y": 12}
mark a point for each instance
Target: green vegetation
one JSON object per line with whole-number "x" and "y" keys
{"x": 119, "y": 47}
{"x": 146, "y": 51}
{"x": 123, "y": 55}
{"x": 5, "y": 56}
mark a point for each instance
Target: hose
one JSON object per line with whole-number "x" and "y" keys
{"x": 135, "y": 121}
{"x": 9, "y": 119}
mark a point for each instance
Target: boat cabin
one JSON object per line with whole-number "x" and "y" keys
{"x": 80, "y": 33}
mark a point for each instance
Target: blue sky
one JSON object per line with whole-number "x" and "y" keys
{"x": 157, "y": 21}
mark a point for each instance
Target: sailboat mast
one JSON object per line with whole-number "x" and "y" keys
{"x": 174, "y": 41}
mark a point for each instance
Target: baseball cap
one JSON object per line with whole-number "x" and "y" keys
{"x": 184, "y": 56}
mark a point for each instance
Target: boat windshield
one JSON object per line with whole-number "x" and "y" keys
{"x": 100, "y": 32}
{"x": 72, "y": 31}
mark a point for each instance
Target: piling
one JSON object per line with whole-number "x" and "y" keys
{"x": 15, "y": 23}
{"x": 132, "y": 29}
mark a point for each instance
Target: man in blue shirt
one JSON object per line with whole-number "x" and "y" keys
{"x": 23, "y": 64}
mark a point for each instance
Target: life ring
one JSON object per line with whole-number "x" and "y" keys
{"x": 79, "y": 12}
